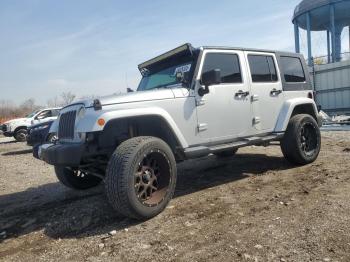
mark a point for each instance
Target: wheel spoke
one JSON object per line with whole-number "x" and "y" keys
{"x": 148, "y": 177}
{"x": 137, "y": 186}
{"x": 308, "y": 139}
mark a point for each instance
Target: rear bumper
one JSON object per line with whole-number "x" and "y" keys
{"x": 62, "y": 154}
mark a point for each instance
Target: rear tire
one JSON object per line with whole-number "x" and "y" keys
{"x": 21, "y": 135}
{"x": 141, "y": 177}
{"x": 226, "y": 153}
{"x": 76, "y": 179}
{"x": 301, "y": 143}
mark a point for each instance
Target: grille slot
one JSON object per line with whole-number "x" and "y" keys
{"x": 66, "y": 125}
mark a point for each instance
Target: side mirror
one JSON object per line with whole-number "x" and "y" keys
{"x": 129, "y": 90}
{"x": 212, "y": 77}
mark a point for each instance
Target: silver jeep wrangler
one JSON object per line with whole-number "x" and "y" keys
{"x": 191, "y": 102}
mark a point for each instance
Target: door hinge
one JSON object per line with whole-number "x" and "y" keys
{"x": 256, "y": 120}
{"x": 202, "y": 127}
{"x": 200, "y": 102}
{"x": 254, "y": 98}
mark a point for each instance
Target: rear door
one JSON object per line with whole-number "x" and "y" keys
{"x": 266, "y": 90}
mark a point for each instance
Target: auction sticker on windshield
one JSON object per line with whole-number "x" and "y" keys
{"x": 182, "y": 69}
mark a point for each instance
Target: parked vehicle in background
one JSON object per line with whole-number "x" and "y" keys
{"x": 18, "y": 128}
{"x": 191, "y": 102}
{"x": 39, "y": 134}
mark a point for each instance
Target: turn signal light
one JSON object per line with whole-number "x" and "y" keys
{"x": 101, "y": 122}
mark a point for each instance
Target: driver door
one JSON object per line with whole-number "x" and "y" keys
{"x": 225, "y": 112}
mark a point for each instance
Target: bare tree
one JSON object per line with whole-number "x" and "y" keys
{"x": 86, "y": 97}
{"x": 28, "y": 106}
{"x": 67, "y": 98}
{"x": 6, "y": 106}
{"x": 53, "y": 102}
{"x": 8, "y": 110}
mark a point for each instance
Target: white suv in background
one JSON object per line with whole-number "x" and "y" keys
{"x": 17, "y": 128}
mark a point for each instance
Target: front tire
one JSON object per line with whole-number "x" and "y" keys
{"x": 141, "y": 177}
{"x": 301, "y": 143}
{"x": 21, "y": 135}
{"x": 51, "y": 138}
{"x": 76, "y": 179}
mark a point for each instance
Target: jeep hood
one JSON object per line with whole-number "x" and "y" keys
{"x": 138, "y": 96}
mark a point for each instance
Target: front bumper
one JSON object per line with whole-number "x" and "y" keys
{"x": 36, "y": 137}
{"x": 319, "y": 120}
{"x": 8, "y": 134}
{"x": 62, "y": 154}
{"x": 5, "y": 130}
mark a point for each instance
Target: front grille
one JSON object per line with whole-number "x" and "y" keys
{"x": 66, "y": 125}
{"x": 3, "y": 128}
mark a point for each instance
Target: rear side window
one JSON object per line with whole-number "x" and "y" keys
{"x": 262, "y": 68}
{"x": 44, "y": 114}
{"x": 292, "y": 69}
{"x": 227, "y": 63}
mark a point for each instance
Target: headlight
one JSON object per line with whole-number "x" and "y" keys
{"x": 81, "y": 112}
{"x": 9, "y": 127}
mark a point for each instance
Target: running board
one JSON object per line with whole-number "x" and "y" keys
{"x": 200, "y": 151}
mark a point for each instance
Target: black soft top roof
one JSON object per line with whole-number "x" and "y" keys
{"x": 281, "y": 53}
{"x": 189, "y": 50}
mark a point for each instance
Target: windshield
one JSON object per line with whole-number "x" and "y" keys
{"x": 32, "y": 114}
{"x": 166, "y": 75}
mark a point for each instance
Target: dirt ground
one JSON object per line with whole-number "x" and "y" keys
{"x": 251, "y": 207}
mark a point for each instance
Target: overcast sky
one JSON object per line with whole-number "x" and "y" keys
{"x": 93, "y": 47}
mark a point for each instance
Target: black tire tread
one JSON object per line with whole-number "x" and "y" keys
{"x": 116, "y": 185}
{"x": 63, "y": 177}
{"x": 289, "y": 144}
{"x": 20, "y": 131}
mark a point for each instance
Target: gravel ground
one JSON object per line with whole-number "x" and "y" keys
{"x": 251, "y": 207}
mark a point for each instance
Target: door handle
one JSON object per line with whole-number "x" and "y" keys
{"x": 275, "y": 92}
{"x": 240, "y": 93}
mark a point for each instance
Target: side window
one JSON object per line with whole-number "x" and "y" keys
{"x": 262, "y": 68}
{"x": 55, "y": 112}
{"x": 292, "y": 69}
{"x": 227, "y": 63}
{"x": 44, "y": 114}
